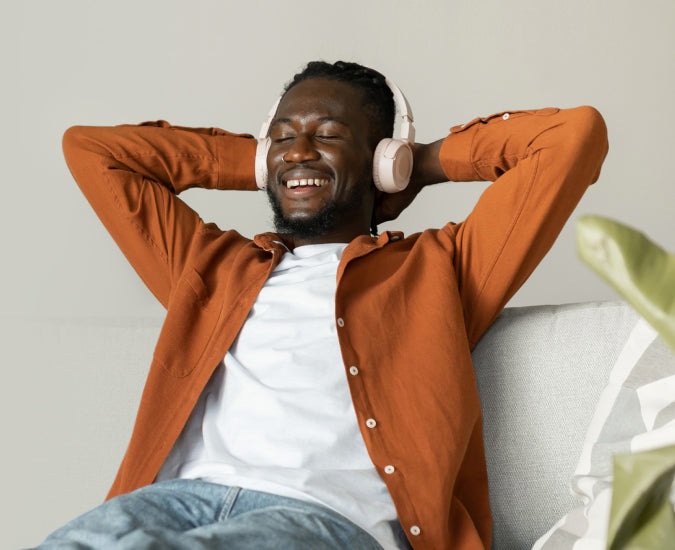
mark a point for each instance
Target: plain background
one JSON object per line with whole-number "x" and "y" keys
{"x": 222, "y": 63}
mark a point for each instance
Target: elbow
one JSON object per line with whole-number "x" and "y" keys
{"x": 72, "y": 141}
{"x": 81, "y": 147}
{"x": 82, "y": 153}
{"x": 594, "y": 127}
{"x": 70, "y": 136}
{"x": 591, "y": 141}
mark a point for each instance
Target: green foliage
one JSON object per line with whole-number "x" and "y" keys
{"x": 642, "y": 516}
{"x": 636, "y": 267}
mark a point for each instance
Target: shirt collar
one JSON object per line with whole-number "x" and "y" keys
{"x": 363, "y": 243}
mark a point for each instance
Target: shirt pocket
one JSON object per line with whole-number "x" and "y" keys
{"x": 188, "y": 326}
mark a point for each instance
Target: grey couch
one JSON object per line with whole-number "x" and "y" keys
{"x": 540, "y": 371}
{"x": 76, "y": 384}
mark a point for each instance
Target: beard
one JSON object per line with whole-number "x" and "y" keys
{"x": 326, "y": 219}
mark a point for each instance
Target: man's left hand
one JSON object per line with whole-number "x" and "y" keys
{"x": 427, "y": 170}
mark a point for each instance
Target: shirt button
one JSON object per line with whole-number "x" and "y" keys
{"x": 414, "y": 530}
{"x": 371, "y": 423}
{"x": 340, "y": 322}
{"x": 353, "y": 370}
{"x": 389, "y": 469}
{"x": 506, "y": 116}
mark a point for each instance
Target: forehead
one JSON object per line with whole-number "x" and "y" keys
{"x": 319, "y": 97}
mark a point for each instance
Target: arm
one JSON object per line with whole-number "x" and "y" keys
{"x": 131, "y": 176}
{"x": 541, "y": 162}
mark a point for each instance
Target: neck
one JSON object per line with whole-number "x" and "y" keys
{"x": 344, "y": 235}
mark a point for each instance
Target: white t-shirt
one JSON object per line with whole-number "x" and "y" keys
{"x": 279, "y": 416}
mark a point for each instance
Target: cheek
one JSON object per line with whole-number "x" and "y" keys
{"x": 366, "y": 173}
{"x": 273, "y": 160}
{"x": 357, "y": 165}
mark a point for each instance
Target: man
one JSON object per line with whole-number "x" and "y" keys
{"x": 313, "y": 387}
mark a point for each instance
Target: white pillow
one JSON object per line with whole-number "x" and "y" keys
{"x": 635, "y": 412}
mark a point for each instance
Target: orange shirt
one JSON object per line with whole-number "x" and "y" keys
{"x": 408, "y": 310}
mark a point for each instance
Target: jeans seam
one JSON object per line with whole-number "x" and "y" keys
{"x": 228, "y": 502}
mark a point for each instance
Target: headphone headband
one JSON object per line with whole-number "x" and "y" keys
{"x": 265, "y": 128}
{"x": 401, "y": 103}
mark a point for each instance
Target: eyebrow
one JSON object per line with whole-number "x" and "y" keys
{"x": 332, "y": 119}
{"x": 320, "y": 119}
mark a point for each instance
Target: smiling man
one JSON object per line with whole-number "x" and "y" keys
{"x": 320, "y": 157}
{"x": 313, "y": 387}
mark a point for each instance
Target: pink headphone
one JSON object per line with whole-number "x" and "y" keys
{"x": 392, "y": 160}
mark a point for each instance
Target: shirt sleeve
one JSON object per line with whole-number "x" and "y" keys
{"x": 131, "y": 176}
{"x": 540, "y": 163}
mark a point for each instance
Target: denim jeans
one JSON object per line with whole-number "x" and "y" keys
{"x": 196, "y": 515}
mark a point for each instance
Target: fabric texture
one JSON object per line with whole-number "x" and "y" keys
{"x": 635, "y": 412}
{"x": 415, "y": 397}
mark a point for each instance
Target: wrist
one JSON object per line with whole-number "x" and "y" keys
{"x": 427, "y": 169}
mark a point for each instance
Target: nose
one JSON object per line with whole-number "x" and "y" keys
{"x": 301, "y": 149}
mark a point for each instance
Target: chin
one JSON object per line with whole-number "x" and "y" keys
{"x": 303, "y": 225}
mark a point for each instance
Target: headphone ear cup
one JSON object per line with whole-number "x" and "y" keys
{"x": 261, "y": 151}
{"x": 392, "y": 165}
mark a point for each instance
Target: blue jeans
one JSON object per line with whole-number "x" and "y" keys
{"x": 193, "y": 514}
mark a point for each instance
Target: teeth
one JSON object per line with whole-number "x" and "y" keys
{"x": 304, "y": 182}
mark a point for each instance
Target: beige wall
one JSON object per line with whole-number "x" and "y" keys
{"x": 222, "y": 63}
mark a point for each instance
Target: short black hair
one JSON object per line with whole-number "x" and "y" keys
{"x": 379, "y": 99}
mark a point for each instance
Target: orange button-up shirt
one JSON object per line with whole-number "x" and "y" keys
{"x": 408, "y": 310}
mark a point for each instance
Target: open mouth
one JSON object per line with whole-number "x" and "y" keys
{"x": 306, "y": 182}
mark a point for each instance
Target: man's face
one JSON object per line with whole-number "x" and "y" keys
{"x": 320, "y": 162}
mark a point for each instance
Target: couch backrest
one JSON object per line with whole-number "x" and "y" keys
{"x": 540, "y": 371}
{"x": 75, "y": 385}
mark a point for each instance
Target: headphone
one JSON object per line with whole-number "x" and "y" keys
{"x": 392, "y": 160}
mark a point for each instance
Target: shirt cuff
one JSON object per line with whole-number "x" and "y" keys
{"x": 455, "y": 154}
{"x": 236, "y": 162}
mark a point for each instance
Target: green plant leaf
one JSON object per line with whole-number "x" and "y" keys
{"x": 642, "y": 516}
{"x": 636, "y": 267}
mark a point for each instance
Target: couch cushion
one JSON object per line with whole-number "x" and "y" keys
{"x": 540, "y": 371}
{"x": 635, "y": 412}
